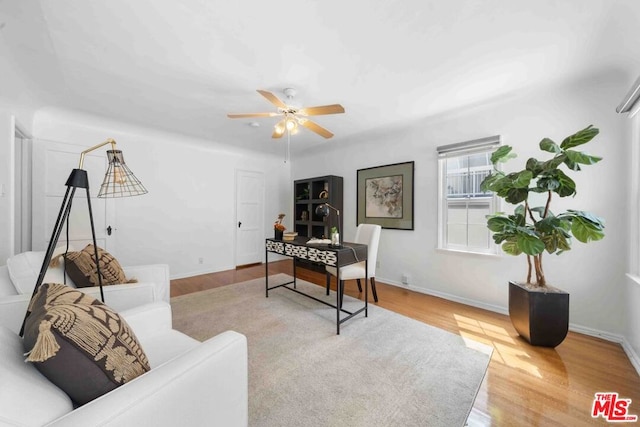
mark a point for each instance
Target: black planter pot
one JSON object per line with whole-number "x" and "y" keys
{"x": 541, "y": 318}
{"x": 278, "y": 234}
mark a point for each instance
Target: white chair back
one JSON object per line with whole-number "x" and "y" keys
{"x": 369, "y": 234}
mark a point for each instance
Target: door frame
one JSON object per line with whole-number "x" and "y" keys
{"x": 19, "y": 196}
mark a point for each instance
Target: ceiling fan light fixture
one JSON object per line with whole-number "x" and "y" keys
{"x": 292, "y": 125}
{"x": 292, "y": 118}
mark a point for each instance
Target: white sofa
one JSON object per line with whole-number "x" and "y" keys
{"x": 19, "y": 276}
{"x": 189, "y": 384}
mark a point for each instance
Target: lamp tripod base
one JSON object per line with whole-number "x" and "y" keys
{"x": 77, "y": 179}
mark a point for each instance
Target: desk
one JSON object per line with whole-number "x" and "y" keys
{"x": 349, "y": 253}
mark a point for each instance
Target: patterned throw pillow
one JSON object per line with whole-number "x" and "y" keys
{"x": 80, "y": 344}
{"x": 81, "y": 268}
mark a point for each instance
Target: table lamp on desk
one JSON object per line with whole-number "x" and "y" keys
{"x": 323, "y": 210}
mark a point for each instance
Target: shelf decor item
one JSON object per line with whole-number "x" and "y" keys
{"x": 385, "y": 196}
{"x": 289, "y": 235}
{"x": 118, "y": 181}
{"x": 540, "y": 313}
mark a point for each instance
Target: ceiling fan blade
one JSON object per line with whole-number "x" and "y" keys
{"x": 280, "y": 125}
{"x": 323, "y": 109}
{"x": 316, "y": 128}
{"x": 272, "y": 99}
{"x": 243, "y": 115}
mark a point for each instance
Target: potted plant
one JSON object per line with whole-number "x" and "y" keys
{"x": 540, "y": 313}
{"x": 278, "y": 227}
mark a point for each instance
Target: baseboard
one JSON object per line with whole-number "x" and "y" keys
{"x": 200, "y": 272}
{"x": 608, "y": 336}
{"x": 620, "y": 339}
{"x": 449, "y": 297}
{"x": 631, "y": 354}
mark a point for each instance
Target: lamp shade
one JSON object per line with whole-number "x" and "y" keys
{"x": 119, "y": 181}
{"x": 322, "y": 210}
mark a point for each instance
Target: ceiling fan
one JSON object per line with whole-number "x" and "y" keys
{"x": 293, "y": 116}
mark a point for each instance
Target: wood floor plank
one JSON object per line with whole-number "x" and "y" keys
{"x": 524, "y": 385}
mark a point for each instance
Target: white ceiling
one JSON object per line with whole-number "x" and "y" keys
{"x": 182, "y": 65}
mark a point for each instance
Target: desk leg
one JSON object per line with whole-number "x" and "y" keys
{"x": 266, "y": 273}
{"x": 366, "y": 288}
{"x": 295, "y": 275}
{"x": 339, "y": 284}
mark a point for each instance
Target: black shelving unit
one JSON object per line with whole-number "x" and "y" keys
{"x": 308, "y": 194}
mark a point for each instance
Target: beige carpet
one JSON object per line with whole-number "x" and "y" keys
{"x": 382, "y": 370}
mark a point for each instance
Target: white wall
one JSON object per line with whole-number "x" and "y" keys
{"x": 189, "y": 212}
{"x": 593, "y": 274}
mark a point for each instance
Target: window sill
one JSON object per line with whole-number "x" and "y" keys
{"x": 459, "y": 251}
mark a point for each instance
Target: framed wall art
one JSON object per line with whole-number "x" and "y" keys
{"x": 385, "y": 196}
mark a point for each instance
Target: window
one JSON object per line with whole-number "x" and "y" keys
{"x": 634, "y": 198}
{"x": 462, "y": 222}
{"x": 630, "y": 105}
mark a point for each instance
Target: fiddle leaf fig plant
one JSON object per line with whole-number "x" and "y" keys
{"x": 532, "y": 230}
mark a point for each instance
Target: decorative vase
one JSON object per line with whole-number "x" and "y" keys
{"x": 335, "y": 239}
{"x": 278, "y": 234}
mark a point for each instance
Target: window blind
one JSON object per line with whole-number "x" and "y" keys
{"x": 467, "y": 147}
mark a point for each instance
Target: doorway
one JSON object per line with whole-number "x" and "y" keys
{"x": 249, "y": 217}
{"x": 22, "y": 190}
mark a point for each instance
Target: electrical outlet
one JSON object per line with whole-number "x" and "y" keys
{"x": 405, "y": 279}
{"x": 200, "y": 260}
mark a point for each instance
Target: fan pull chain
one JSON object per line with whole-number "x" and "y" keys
{"x": 287, "y": 155}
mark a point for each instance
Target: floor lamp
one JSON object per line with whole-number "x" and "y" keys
{"x": 118, "y": 181}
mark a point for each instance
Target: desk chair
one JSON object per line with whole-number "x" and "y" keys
{"x": 368, "y": 234}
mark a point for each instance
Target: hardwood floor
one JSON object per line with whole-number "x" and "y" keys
{"x": 524, "y": 385}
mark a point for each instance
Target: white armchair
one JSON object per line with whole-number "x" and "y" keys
{"x": 19, "y": 276}
{"x": 190, "y": 383}
{"x": 368, "y": 234}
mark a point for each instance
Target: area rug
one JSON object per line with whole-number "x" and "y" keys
{"x": 382, "y": 370}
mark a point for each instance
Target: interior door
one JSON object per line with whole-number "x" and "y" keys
{"x": 249, "y": 217}
{"x": 52, "y": 164}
